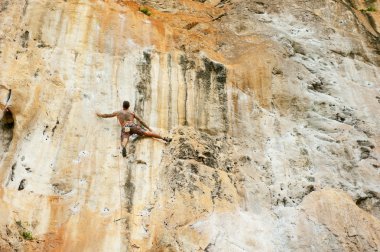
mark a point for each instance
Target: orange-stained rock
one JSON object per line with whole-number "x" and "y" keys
{"x": 270, "y": 104}
{"x": 348, "y": 227}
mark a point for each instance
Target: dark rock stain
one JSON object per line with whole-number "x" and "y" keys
{"x": 209, "y": 79}
{"x": 4, "y": 5}
{"x": 143, "y": 85}
{"x": 6, "y": 132}
{"x": 213, "y": 78}
{"x": 12, "y": 174}
{"x": 22, "y": 185}
{"x": 55, "y": 127}
{"x": 186, "y": 65}
{"x": 170, "y": 109}
{"x": 25, "y": 7}
{"x": 25, "y": 39}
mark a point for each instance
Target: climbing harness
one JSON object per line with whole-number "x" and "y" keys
{"x": 127, "y": 129}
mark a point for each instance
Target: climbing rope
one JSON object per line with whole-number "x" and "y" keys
{"x": 118, "y": 166}
{"x": 120, "y": 196}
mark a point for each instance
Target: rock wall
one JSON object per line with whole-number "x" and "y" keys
{"x": 272, "y": 106}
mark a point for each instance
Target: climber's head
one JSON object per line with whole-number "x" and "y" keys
{"x": 126, "y": 105}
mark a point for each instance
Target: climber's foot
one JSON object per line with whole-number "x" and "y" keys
{"x": 167, "y": 139}
{"x": 124, "y": 152}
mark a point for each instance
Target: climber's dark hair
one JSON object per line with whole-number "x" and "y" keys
{"x": 126, "y": 105}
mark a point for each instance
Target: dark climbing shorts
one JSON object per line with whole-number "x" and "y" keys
{"x": 133, "y": 129}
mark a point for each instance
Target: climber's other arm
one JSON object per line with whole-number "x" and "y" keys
{"x": 107, "y": 115}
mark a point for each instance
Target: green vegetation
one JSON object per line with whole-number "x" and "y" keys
{"x": 370, "y": 6}
{"x": 19, "y": 224}
{"x": 145, "y": 10}
{"x": 370, "y": 1}
{"x": 27, "y": 235}
{"x": 369, "y": 9}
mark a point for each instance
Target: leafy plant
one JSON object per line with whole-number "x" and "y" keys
{"x": 145, "y": 10}
{"x": 371, "y": 8}
{"x": 19, "y": 224}
{"x": 370, "y": 1}
{"x": 27, "y": 235}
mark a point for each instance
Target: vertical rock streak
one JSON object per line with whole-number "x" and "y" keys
{"x": 271, "y": 106}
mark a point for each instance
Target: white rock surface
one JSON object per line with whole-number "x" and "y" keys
{"x": 272, "y": 106}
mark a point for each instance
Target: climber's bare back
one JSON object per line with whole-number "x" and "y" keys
{"x": 125, "y": 116}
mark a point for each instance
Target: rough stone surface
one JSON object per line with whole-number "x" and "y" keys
{"x": 272, "y": 107}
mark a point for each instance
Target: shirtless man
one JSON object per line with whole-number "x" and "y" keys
{"x": 128, "y": 127}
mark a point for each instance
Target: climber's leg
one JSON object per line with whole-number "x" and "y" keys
{"x": 139, "y": 131}
{"x": 151, "y": 134}
{"x": 124, "y": 142}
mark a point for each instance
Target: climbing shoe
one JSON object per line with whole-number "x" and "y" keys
{"x": 124, "y": 152}
{"x": 167, "y": 139}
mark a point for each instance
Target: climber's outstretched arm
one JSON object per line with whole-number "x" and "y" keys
{"x": 107, "y": 115}
{"x": 142, "y": 122}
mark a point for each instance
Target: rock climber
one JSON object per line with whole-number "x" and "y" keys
{"x": 128, "y": 126}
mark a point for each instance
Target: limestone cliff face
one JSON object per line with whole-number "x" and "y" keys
{"x": 272, "y": 107}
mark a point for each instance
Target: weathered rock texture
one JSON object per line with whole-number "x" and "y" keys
{"x": 273, "y": 107}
